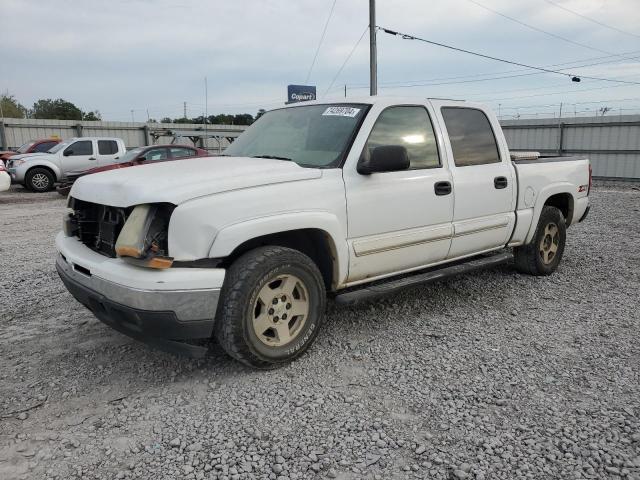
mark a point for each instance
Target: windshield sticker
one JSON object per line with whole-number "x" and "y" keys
{"x": 342, "y": 111}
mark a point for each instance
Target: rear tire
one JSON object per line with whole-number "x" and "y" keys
{"x": 271, "y": 307}
{"x": 39, "y": 180}
{"x": 542, "y": 256}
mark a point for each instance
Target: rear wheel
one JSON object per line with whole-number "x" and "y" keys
{"x": 271, "y": 306}
{"x": 39, "y": 180}
{"x": 542, "y": 256}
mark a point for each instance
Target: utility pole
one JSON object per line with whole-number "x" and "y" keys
{"x": 373, "y": 53}
{"x": 345, "y": 90}
{"x": 132, "y": 119}
{"x": 185, "y": 110}
{"x": 560, "y": 115}
{"x": 206, "y": 112}
{"x": 148, "y": 118}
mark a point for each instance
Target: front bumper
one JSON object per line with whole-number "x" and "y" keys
{"x": 159, "y": 307}
{"x": 17, "y": 174}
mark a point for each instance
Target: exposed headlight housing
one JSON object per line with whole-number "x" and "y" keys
{"x": 143, "y": 238}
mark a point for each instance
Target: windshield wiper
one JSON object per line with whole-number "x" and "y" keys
{"x": 273, "y": 157}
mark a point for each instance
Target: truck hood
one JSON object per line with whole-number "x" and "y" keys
{"x": 178, "y": 182}
{"x": 25, "y": 156}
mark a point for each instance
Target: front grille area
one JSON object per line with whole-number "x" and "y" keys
{"x": 97, "y": 226}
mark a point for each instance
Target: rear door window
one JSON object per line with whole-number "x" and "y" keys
{"x": 471, "y": 136}
{"x": 107, "y": 147}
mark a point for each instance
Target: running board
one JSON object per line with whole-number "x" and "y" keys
{"x": 392, "y": 286}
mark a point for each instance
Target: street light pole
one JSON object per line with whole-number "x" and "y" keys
{"x": 373, "y": 53}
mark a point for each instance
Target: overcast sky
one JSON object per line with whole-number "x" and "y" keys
{"x": 120, "y": 55}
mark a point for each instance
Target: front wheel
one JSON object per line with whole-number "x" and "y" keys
{"x": 271, "y": 306}
{"x": 542, "y": 256}
{"x": 39, "y": 180}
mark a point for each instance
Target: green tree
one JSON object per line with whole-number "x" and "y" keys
{"x": 261, "y": 112}
{"x": 92, "y": 116}
{"x": 10, "y": 107}
{"x": 243, "y": 119}
{"x": 58, "y": 109}
{"x": 166, "y": 120}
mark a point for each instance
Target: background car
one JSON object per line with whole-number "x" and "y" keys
{"x": 35, "y": 146}
{"x": 139, "y": 156}
{"x": 5, "y": 179}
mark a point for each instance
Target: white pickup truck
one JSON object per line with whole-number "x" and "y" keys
{"x": 40, "y": 171}
{"x": 352, "y": 199}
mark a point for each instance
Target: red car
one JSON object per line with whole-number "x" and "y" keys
{"x": 34, "y": 146}
{"x": 138, "y": 156}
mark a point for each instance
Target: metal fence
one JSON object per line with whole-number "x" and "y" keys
{"x": 611, "y": 143}
{"x": 17, "y": 131}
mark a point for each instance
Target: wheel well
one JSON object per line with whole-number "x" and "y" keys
{"x": 564, "y": 203}
{"x": 49, "y": 169}
{"x": 314, "y": 243}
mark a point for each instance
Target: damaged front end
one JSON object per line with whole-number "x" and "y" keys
{"x": 138, "y": 235}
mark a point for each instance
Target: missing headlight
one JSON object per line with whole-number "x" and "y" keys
{"x": 145, "y": 234}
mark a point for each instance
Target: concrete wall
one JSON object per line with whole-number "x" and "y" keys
{"x": 17, "y": 131}
{"x": 612, "y": 143}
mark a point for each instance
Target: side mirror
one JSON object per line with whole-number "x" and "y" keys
{"x": 68, "y": 152}
{"x": 141, "y": 159}
{"x": 386, "y": 158}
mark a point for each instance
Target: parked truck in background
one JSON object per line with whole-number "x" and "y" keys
{"x": 40, "y": 172}
{"x": 352, "y": 199}
{"x": 34, "y": 146}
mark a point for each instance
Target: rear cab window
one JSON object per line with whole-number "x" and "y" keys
{"x": 471, "y": 136}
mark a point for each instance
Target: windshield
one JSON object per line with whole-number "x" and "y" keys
{"x": 130, "y": 155}
{"x": 311, "y": 136}
{"x": 24, "y": 148}
{"x": 58, "y": 147}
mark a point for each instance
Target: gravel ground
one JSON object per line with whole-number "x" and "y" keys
{"x": 494, "y": 375}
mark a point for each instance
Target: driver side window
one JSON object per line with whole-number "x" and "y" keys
{"x": 409, "y": 127}
{"x": 83, "y": 147}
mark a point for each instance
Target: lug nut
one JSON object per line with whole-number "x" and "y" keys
{"x": 284, "y": 316}
{"x": 271, "y": 310}
{"x": 274, "y": 301}
{"x": 284, "y": 298}
{"x": 288, "y": 306}
{"x": 275, "y": 319}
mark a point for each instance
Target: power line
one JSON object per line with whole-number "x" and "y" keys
{"x": 531, "y": 27}
{"x": 593, "y": 20}
{"x": 324, "y": 31}
{"x": 346, "y": 60}
{"x": 410, "y": 83}
{"x": 406, "y": 36}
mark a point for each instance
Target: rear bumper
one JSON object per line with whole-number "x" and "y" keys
{"x": 164, "y": 315}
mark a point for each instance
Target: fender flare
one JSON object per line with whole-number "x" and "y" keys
{"x": 232, "y": 236}
{"x": 543, "y": 196}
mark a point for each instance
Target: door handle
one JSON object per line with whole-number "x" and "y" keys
{"x": 92, "y": 158}
{"x": 500, "y": 182}
{"x": 442, "y": 188}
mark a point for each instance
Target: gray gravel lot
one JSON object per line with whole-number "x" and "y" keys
{"x": 494, "y": 375}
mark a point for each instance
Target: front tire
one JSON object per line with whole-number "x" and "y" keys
{"x": 39, "y": 180}
{"x": 542, "y": 256}
{"x": 271, "y": 307}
